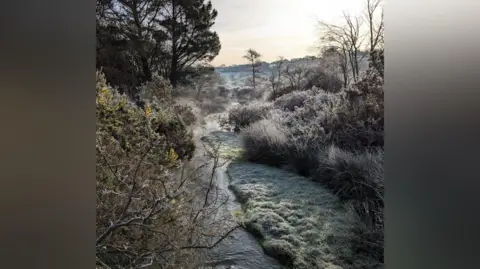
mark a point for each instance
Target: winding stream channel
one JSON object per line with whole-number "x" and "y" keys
{"x": 241, "y": 249}
{"x": 300, "y": 222}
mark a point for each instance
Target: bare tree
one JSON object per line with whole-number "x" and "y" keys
{"x": 376, "y": 30}
{"x": 144, "y": 221}
{"x": 355, "y": 40}
{"x": 276, "y": 76}
{"x": 337, "y": 58}
{"x": 334, "y": 42}
{"x": 346, "y": 41}
{"x": 296, "y": 74}
{"x": 253, "y": 57}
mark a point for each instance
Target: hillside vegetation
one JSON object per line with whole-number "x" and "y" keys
{"x": 309, "y": 168}
{"x": 334, "y": 138}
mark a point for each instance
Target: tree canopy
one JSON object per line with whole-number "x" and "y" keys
{"x": 136, "y": 38}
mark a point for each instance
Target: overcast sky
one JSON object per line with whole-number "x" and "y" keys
{"x": 274, "y": 27}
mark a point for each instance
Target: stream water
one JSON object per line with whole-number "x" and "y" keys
{"x": 241, "y": 249}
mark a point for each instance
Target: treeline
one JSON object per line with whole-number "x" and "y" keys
{"x": 139, "y": 39}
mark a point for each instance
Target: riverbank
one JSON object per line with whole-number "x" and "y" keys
{"x": 241, "y": 250}
{"x": 295, "y": 220}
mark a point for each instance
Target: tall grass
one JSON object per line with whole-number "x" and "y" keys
{"x": 265, "y": 142}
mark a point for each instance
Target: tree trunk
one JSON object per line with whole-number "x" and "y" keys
{"x": 174, "y": 74}
{"x": 147, "y": 73}
{"x": 253, "y": 74}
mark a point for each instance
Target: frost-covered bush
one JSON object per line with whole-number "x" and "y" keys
{"x": 248, "y": 93}
{"x": 291, "y": 100}
{"x": 143, "y": 209}
{"x": 244, "y": 115}
{"x": 158, "y": 89}
{"x": 265, "y": 142}
{"x": 351, "y": 119}
{"x": 186, "y": 113}
{"x": 273, "y": 95}
{"x": 223, "y": 91}
{"x": 336, "y": 139}
{"x": 322, "y": 79}
{"x": 359, "y": 122}
{"x": 352, "y": 176}
{"x": 359, "y": 179}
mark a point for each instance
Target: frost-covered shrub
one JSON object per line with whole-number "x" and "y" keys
{"x": 223, "y": 91}
{"x": 367, "y": 237}
{"x": 317, "y": 102}
{"x": 186, "y": 113}
{"x": 158, "y": 89}
{"x": 244, "y": 115}
{"x": 359, "y": 122}
{"x": 265, "y": 142}
{"x": 321, "y": 79}
{"x": 291, "y": 100}
{"x": 359, "y": 179}
{"x": 136, "y": 155}
{"x": 351, "y": 119}
{"x": 146, "y": 205}
{"x": 279, "y": 92}
{"x": 335, "y": 139}
{"x": 352, "y": 176}
{"x": 248, "y": 93}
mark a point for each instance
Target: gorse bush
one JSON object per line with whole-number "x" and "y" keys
{"x": 131, "y": 158}
{"x": 158, "y": 89}
{"x": 185, "y": 112}
{"x": 145, "y": 212}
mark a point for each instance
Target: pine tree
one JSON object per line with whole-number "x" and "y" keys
{"x": 253, "y": 57}
{"x": 136, "y": 38}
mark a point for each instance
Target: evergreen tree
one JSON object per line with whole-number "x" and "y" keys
{"x": 253, "y": 57}
{"x": 136, "y": 38}
{"x": 186, "y": 30}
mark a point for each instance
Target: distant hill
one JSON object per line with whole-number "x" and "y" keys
{"x": 266, "y": 67}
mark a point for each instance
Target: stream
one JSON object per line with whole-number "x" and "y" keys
{"x": 241, "y": 249}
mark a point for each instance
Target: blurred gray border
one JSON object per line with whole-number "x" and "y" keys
{"x": 432, "y": 103}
